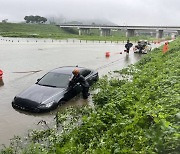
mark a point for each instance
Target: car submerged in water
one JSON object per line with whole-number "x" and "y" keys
{"x": 52, "y": 89}
{"x": 143, "y": 46}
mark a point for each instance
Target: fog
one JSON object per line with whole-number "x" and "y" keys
{"x": 120, "y": 12}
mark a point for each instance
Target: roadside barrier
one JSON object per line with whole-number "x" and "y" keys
{"x": 63, "y": 41}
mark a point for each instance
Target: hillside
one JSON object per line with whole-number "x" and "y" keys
{"x": 32, "y": 30}
{"x": 52, "y": 31}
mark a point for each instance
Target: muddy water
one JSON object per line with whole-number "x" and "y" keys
{"x": 22, "y": 55}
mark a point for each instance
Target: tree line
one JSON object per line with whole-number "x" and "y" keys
{"x": 35, "y": 19}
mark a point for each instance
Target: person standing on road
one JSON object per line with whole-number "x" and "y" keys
{"x": 78, "y": 78}
{"x": 128, "y": 45}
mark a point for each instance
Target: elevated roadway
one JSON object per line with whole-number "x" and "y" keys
{"x": 130, "y": 30}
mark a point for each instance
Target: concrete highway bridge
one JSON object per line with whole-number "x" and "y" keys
{"x": 105, "y": 30}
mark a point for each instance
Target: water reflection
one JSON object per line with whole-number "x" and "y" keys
{"x": 138, "y": 56}
{"x": 127, "y": 58}
{"x": 1, "y": 82}
{"x": 24, "y": 75}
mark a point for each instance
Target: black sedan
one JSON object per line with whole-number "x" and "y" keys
{"x": 52, "y": 89}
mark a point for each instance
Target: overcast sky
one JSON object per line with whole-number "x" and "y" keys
{"x": 121, "y": 12}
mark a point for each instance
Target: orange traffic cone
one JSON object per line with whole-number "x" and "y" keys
{"x": 107, "y": 54}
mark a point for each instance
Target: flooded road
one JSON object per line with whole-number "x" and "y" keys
{"x": 22, "y": 55}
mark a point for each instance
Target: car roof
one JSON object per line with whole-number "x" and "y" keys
{"x": 67, "y": 69}
{"x": 143, "y": 41}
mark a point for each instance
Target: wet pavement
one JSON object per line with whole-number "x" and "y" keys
{"x": 18, "y": 57}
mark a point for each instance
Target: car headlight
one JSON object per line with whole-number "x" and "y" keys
{"x": 47, "y": 105}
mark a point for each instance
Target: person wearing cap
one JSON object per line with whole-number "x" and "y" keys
{"x": 78, "y": 78}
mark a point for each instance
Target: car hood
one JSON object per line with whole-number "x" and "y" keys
{"x": 39, "y": 94}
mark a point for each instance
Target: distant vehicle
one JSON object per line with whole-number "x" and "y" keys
{"x": 143, "y": 46}
{"x": 52, "y": 89}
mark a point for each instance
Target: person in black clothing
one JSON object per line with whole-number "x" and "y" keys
{"x": 128, "y": 45}
{"x": 78, "y": 78}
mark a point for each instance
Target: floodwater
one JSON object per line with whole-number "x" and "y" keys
{"x": 18, "y": 56}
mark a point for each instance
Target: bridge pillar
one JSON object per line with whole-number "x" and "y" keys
{"x": 80, "y": 32}
{"x": 84, "y": 31}
{"x": 173, "y": 35}
{"x": 159, "y": 33}
{"x": 105, "y": 32}
{"x": 130, "y": 32}
{"x": 151, "y": 34}
{"x": 178, "y": 31}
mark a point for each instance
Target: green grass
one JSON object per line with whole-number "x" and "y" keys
{"x": 32, "y": 30}
{"x": 52, "y": 31}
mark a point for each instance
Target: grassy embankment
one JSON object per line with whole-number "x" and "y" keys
{"x": 54, "y": 32}
{"x": 138, "y": 114}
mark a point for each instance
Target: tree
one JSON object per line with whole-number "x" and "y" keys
{"x": 27, "y": 19}
{"x": 35, "y": 19}
{"x": 43, "y": 19}
{"x": 4, "y": 21}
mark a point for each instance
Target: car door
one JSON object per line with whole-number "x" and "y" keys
{"x": 90, "y": 76}
{"x": 72, "y": 91}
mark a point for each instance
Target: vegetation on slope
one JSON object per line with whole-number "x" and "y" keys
{"x": 32, "y": 30}
{"x": 52, "y": 31}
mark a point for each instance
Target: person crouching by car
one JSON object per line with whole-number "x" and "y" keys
{"x": 78, "y": 78}
{"x": 128, "y": 45}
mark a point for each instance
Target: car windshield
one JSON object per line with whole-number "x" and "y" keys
{"x": 53, "y": 79}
